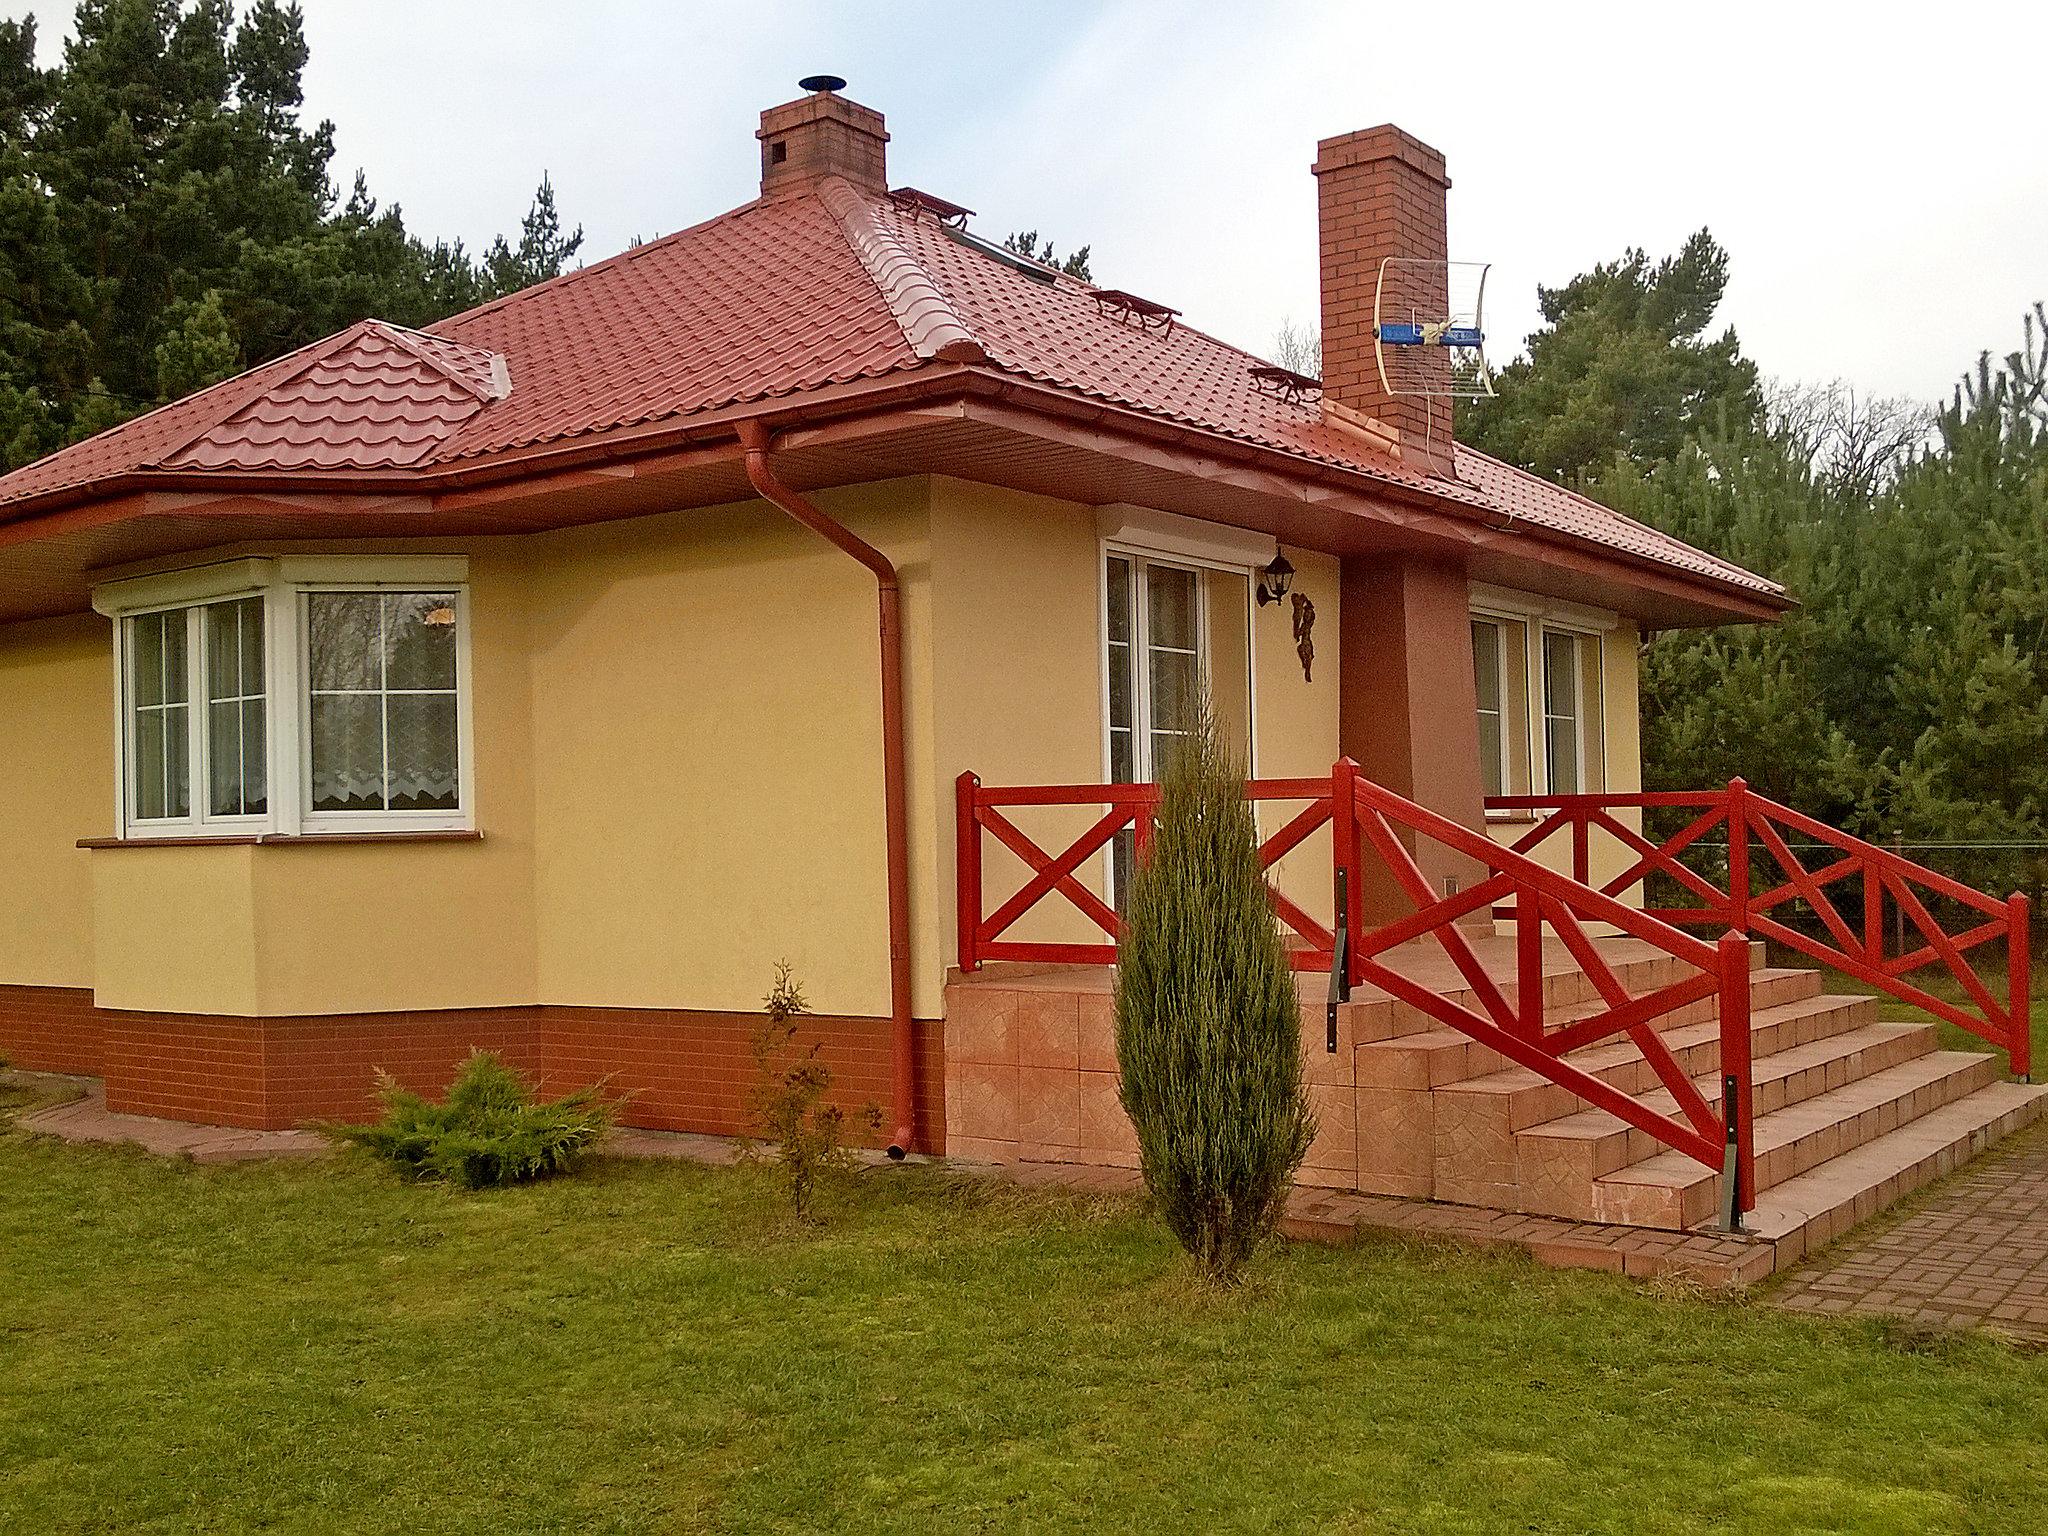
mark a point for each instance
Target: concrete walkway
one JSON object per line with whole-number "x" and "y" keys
{"x": 1972, "y": 1251}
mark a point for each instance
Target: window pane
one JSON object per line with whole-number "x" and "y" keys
{"x": 1176, "y": 694}
{"x": 1171, "y": 610}
{"x": 423, "y": 752}
{"x": 1486, "y": 665}
{"x": 146, "y": 799}
{"x": 1560, "y": 675}
{"x": 235, "y": 758}
{"x": 1490, "y": 766}
{"x": 383, "y": 667}
{"x": 344, "y": 641}
{"x": 177, "y": 761}
{"x": 1562, "y": 743}
{"x": 1122, "y": 768}
{"x": 1119, "y": 601}
{"x": 348, "y": 752}
{"x": 1561, "y": 712}
{"x": 419, "y": 638}
{"x": 146, "y": 658}
{"x": 255, "y": 758}
{"x": 235, "y": 744}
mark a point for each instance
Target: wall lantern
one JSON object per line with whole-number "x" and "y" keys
{"x": 1275, "y": 580}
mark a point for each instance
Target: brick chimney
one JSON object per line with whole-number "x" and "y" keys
{"x": 822, "y": 134}
{"x": 1379, "y": 193}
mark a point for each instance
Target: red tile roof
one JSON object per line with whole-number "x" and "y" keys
{"x": 767, "y": 301}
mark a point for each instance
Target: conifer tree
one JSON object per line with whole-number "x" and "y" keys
{"x": 1208, "y": 1027}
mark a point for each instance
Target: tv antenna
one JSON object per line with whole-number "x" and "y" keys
{"x": 1429, "y": 327}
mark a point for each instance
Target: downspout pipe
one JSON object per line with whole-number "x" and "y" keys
{"x": 756, "y": 439}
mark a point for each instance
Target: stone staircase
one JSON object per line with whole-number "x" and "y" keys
{"x": 1851, "y": 1112}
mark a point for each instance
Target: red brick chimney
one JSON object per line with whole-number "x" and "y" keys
{"x": 822, "y": 134}
{"x": 1379, "y": 193}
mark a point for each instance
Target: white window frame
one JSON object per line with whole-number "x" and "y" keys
{"x": 1540, "y": 702}
{"x": 283, "y": 583}
{"x": 1537, "y": 615}
{"x": 1499, "y": 626}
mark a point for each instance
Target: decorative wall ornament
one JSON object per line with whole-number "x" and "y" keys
{"x": 1304, "y": 630}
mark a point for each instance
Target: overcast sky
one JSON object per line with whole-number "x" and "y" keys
{"x": 1879, "y": 173}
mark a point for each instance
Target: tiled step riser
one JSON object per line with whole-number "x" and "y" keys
{"x": 1695, "y": 1201}
{"x": 1447, "y": 1057}
{"x": 1770, "y": 1091}
{"x": 1478, "y": 1159}
{"x": 1856, "y": 1191}
{"x": 1368, "y": 1022}
{"x": 1696, "y": 1057}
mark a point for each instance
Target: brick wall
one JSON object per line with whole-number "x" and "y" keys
{"x": 51, "y": 1029}
{"x": 684, "y": 1071}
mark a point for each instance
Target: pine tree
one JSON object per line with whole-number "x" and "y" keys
{"x": 165, "y": 214}
{"x": 1208, "y": 1027}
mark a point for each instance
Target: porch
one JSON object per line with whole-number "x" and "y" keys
{"x": 1523, "y": 1041}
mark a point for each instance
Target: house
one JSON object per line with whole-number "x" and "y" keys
{"x": 538, "y": 680}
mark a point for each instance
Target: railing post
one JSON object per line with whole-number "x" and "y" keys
{"x": 2019, "y": 984}
{"x": 1739, "y": 1175}
{"x": 1529, "y": 963}
{"x": 1738, "y": 854}
{"x": 967, "y": 870}
{"x": 1344, "y": 855}
{"x": 1582, "y": 840}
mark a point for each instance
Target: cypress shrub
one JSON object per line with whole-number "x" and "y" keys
{"x": 1208, "y": 1028}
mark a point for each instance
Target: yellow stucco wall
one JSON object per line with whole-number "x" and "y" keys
{"x": 707, "y": 755}
{"x": 174, "y": 929}
{"x": 1297, "y": 718}
{"x": 678, "y": 774}
{"x": 56, "y": 786}
{"x": 1017, "y": 683}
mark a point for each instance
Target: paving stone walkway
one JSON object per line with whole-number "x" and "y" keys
{"x": 87, "y": 1118}
{"x": 1972, "y": 1251}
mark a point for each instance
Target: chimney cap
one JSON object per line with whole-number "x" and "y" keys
{"x": 821, "y": 83}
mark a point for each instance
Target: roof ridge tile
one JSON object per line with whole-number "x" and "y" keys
{"x": 930, "y": 324}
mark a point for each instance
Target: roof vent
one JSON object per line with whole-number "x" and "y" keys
{"x": 1285, "y": 383}
{"x": 914, "y": 201}
{"x": 821, "y": 83}
{"x": 1129, "y": 307}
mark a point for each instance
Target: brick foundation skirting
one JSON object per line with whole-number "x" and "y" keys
{"x": 679, "y": 1070}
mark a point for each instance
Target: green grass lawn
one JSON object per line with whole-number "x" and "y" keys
{"x": 321, "y": 1348}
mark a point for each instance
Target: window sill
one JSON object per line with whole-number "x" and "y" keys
{"x": 1511, "y": 818}
{"x": 283, "y": 840}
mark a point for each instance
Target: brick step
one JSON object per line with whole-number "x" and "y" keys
{"x": 1802, "y": 1213}
{"x": 1525, "y": 1098}
{"x": 1438, "y": 1056}
{"x": 1671, "y": 1191}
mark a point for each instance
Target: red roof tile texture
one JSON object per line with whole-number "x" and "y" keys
{"x": 777, "y": 297}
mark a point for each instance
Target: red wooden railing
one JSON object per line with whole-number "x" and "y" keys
{"x": 1367, "y": 820}
{"x": 1129, "y": 805}
{"x": 1756, "y": 879}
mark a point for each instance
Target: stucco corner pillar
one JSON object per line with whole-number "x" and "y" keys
{"x": 1408, "y": 711}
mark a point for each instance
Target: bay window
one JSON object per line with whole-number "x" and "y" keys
{"x": 293, "y": 695}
